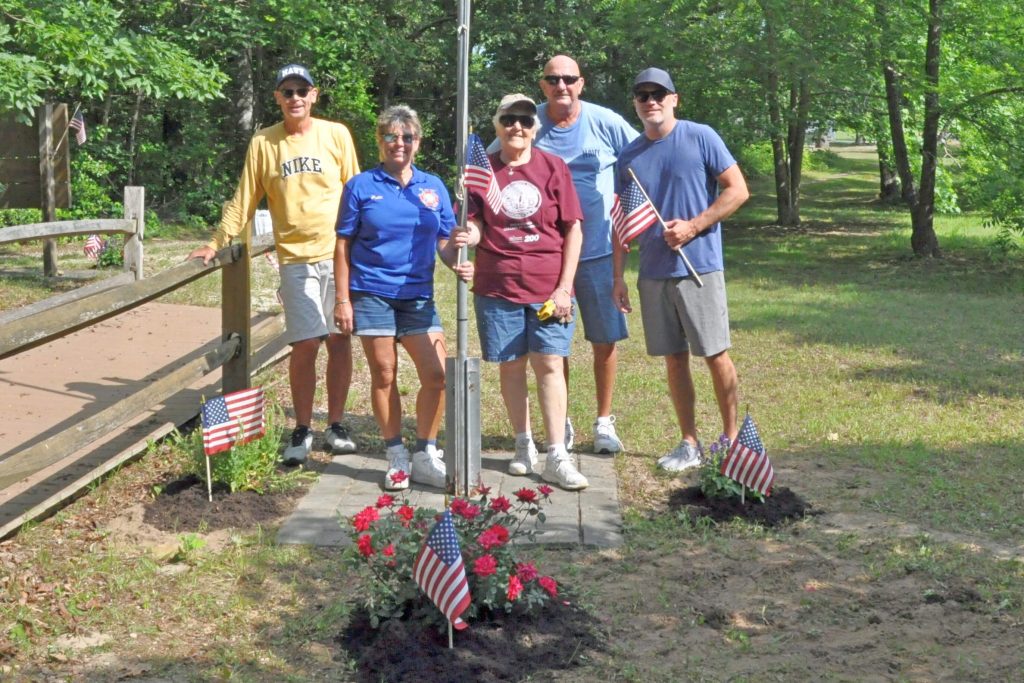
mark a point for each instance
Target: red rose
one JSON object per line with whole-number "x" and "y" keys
{"x": 549, "y": 584}
{"x": 389, "y": 550}
{"x": 365, "y": 518}
{"x": 485, "y": 565}
{"x": 482, "y": 490}
{"x": 545, "y": 490}
{"x": 501, "y": 504}
{"x": 405, "y": 513}
{"x": 365, "y": 545}
{"x": 385, "y": 501}
{"x": 526, "y": 495}
{"x": 526, "y": 571}
{"x": 458, "y": 505}
{"x": 515, "y": 587}
{"x": 466, "y": 510}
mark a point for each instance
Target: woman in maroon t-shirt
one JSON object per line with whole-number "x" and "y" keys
{"x": 527, "y": 247}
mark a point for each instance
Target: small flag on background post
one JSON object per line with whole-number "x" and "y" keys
{"x": 234, "y": 418}
{"x": 747, "y": 462}
{"x": 77, "y": 124}
{"x": 632, "y": 213}
{"x": 94, "y": 245}
{"x": 439, "y": 571}
{"x": 479, "y": 173}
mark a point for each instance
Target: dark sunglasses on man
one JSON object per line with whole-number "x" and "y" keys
{"x": 524, "y": 120}
{"x": 291, "y": 92}
{"x": 554, "y": 79}
{"x": 656, "y": 95}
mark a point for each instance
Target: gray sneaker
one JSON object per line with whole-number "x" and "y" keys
{"x": 685, "y": 456}
{"x": 525, "y": 460}
{"x": 560, "y": 469}
{"x": 299, "y": 447}
{"x": 398, "y": 461}
{"x": 570, "y": 435}
{"x": 605, "y": 438}
{"x": 428, "y": 467}
{"x": 338, "y": 440}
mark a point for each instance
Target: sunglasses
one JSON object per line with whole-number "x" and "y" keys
{"x": 553, "y": 80}
{"x": 407, "y": 138}
{"x": 291, "y": 92}
{"x": 524, "y": 120}
{"x": 656, "y": 95}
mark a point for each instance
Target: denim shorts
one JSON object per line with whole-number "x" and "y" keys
{"x": 381, "y": 316}
{"x": 307, "y": 291}
{"x": 603, "y": 323}
{"x": 508, "y": 330}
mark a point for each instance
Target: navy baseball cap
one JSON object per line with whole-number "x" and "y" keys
{"x": 655, "y": 76}
{"x": 293, "y": 71}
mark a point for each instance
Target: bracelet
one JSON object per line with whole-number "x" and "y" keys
{"x": 567, "y": 292}
{"x": 340, "y": 301}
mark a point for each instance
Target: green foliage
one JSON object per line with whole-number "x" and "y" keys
{"x": 248, "y": 467}
{"x": 713, "y": 483}
{"x": 112, "y": 255}
{"x": 756, "y": 160}
{"x": 391, "y": 533}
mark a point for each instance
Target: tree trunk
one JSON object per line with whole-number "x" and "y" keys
{"x": 246, "y": 102}
{"x": 923, "y": 240}
{"x": 888, "y": 181}
{"x": 901, "y": 159}
{"x": 799, "y": 105}
{"x": 132, "y": 133}
{"x": 781, "y": 162}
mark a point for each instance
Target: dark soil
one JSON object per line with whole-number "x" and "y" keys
{"x": 500, "y": 647}
{"x": 781, "y": 506}
{"x": 183, "y": 506}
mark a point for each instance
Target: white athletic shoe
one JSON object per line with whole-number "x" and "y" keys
{"x": 398, "y": 461}
{"x": 605, "y": 438}
{"x": 570, "y": 435}
{"x": 685, "y": 456}
{"x": 428, "y": 467}
{"x": 560, "y": 469}
{"x": 525, "y": 460}
{"x": 298, "y": 448}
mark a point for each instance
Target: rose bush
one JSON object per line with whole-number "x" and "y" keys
{"x": 390, "y": 533}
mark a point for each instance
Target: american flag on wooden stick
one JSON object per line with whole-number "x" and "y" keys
{"x": 747, "y": 462}
{"x": 439, "y": 571}
{"x": 77, "y": 124}
{"x": 479, "y": 174}
{"x": 632, "y": 213}
{"x": 231, "y": 419}
{"x": 94, "y": 245}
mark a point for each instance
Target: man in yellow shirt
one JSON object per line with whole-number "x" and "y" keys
{"x": 301, "y": 166}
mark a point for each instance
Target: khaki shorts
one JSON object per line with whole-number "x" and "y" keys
{"x": 678, "y": 316}
{"x": 307, "y": 295}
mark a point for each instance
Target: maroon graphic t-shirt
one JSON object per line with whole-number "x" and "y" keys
{"x": 519, "y": 257}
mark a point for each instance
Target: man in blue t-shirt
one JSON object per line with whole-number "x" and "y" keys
{"x": 694, "y": 183}
{"x": 589, "y": 138}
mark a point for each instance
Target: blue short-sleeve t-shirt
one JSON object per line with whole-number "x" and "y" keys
{"x": 393, "y": 232}
{"x": 680, "y": 174}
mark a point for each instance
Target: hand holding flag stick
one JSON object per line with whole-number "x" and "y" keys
{"x": 689, "y": 266}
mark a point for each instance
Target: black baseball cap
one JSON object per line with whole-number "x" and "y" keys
{"x": 655, "y": 76}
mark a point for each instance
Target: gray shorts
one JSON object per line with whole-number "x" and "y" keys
{"x": 602, "y": 321}
{"x": 679, "y": 316}
{"x": 307, "y": 295}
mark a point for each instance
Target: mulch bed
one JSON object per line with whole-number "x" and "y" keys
{"x": 183, "y": 506}
{"x": 781, "y": 506}
{"x": 499, "y": 647}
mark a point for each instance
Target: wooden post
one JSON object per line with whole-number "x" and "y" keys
{"x": 48, "y": 199}
{"x": 134, "y": 210}
{"x": 235, "y": 314}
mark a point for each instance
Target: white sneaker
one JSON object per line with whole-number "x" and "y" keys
{"x": 525, "y": 460}
{"x": 560, "y": 469}
{"x": 685, "y": 456}
{"x": 299, "y": 447}
{"x": 570, "y": 435}
{"x": 428, "y": 467}
{"x": 338, "y": 440}
{"x": 398, "y": 461}
{"x": 605, "y": 438}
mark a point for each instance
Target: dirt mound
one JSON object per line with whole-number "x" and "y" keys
{"x": 499, "y": 647}
{"x": 183, "y": 506}
{"x": 781, "y": 506}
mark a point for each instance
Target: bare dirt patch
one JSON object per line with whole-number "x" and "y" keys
{"x": 184, "y": 506}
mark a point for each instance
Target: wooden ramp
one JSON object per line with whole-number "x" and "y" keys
{"x": 51, "y": 388}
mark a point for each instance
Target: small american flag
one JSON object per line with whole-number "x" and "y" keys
{"x": 94, "y": 245}
{"x": 231, "y": 419}
{"x": 439, "y": 571}
{"x": 632, "y": 213}
{"x": 747, "y": 462}
{"x": 77, "y": 124}
{"x": 479, "y": 174}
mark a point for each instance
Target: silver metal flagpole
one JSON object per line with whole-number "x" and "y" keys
{"x": 689, "y": 266}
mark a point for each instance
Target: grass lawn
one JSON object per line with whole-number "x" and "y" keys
{"x": 888, "y": 390}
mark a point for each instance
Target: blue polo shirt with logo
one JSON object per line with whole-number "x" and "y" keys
{"x": 393, "y": 232}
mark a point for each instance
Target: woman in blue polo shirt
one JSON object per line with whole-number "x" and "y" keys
{"x": 391, "y": 220}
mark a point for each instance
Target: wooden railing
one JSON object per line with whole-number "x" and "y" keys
{"x": 61, "y": 315}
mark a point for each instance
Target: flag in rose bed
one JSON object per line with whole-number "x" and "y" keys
{"x": 440, "y": 572}
{"x": 747, "y": 461}
{"x": 231, "y": 419}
